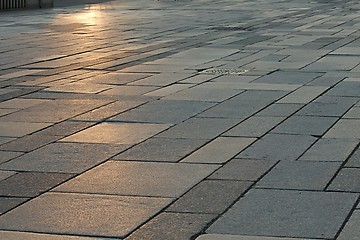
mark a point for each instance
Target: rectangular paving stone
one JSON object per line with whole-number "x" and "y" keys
{"x": 220, "y": 150}
{"x": 288, "y": 77}
{"x": 255, "y": 126}
{"x": 288, "y": 147}
{"x": 6, "y": 174}
{"x": 346, "y": 89}
{"x": 280, "y": 110}
{"x": 29, "y": 142}
{"x": 160, "y": 80}
{"x": 10, "y": 235}
{"x": 305, "y": 125}
{"x": 6, "y": 156}
{"x": 31, "y": 184}
{"x": 20, "y": 103}
{"x": 172, "y": 226}
{"x": 199, "y": 128}
{"x": 330, "y": 150}
{"x": 297, "y": 214}
{"x": 345, "y": 128}
{"x": 168, "y": 90}
{"x": 351, "y": 229}
{"x": 205, "y": 197}
{"x": 347, "y": 180}
{"x": 299, "y": 175}
{"x": 122, "y": 178}
{"x": 354, "y": 160}
{"x": 353, "y": 113}
{"x": 304, "y": 94}
{"x": 325, "y": 109}
{"x": 128, "y": 90}
{"x": 123, "y": 214}
{"x": 64, "y": 157}
{"x": 117, "y": 133}
{"x": 243, "y": 169}
{"x": 161, "y": 149}
{"x": 330, "y": 62}
{"x": 65, "y": 128}
{"x": 8, "y": 203}
{"x": 20, "y": 129}
{"x": 163, "y": 111}
{"x": 242, "y": 237}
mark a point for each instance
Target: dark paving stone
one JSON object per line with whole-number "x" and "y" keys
{"x": 29, "y": 142}
{"x": 7, "y": 203}
{"x": 305, "y": 125}
{"x": 299, "y": 175}
{"x": 243, "y": 169}
{"x": 280, "y": 109}
{"x": 286, "y": 214}
{"x": 65, "y": 128}
{"x": 172, "y": 226}
{"x": 346, "y": 89}
{"x": 205, "y": 197}
{"x": 288, "y": 77}
{"x": 288, "y": 147}
{"x": 325, "y": 109}
{"x": 161, "y": 149}
{"x": 31, "y": 184}
{"x": 347, "y": 180}
{"x": 164, "y": 111}
{"x": 6, "y": 156}
{"x": 82, "y": 214}
{"x": 64, "y": 157}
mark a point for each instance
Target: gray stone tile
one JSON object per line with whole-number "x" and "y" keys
{"x": 342, "y": 63}
{"x": 157, "y": 179}
{"x": 167, "y": 111}
{"x": 325, "y": 109}
{"x": 351, "y": 229}
{"x": 345, "y": 128}
{"x": 6, "y": 111}
{"x": 304, "y": 214}
{"x": 6, "y": 139}
{"x": 117, "y": 133}
{"x": 6, "y": 174}
{"x": 116, "y": 78}
{"x": 288, "y": 77}
{"x": 31, "y": 184}
{"x": 165, "y": 91}
{"x": 353, "y": 113}
{"x": 19, "y": 129}
{"x": 64, "y": 158}
{"x": 304, "y": 94}
{"x": 328, "y": 149}
{"x": 29, "y": 142}
{"x": 172, "y": 226}
{"x": 8, "y": 203}
{"x": 243, "y": 169}
{"x": 163, "y": 79}
{"x": 220, "y": 150}
{"x": 204, "y": 197}
{"x": 65, "y": 128}
{"x": 346, "y": 89}
{"x": 199, "y": 128}
{"x": 288, "y": 147}
{"x": 35, "y": 216}
{"x": 10, "y": 235}
{"x": 354, "y": 160}
{"x": 255, "y": 126}
{"x": 161, "y": 149}
{"x": 299, "y": 175}
{"x": 128, "y": 90}
{"x": 347, "y": 180}
{"x": 280, "y": 110}
{"x": 305, "y": 125}
{"x": 6, "y": 156}
{"x": 241, "y": 237}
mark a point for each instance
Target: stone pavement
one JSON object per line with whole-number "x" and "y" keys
{"x": 202, "y": 119}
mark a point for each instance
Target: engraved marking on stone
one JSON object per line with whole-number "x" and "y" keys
{"x": 224, "y": 71}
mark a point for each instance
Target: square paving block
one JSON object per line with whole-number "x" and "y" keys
{"x": 19, "y": 129}
{"x": 299, "y": 175}
{"x": 82, "y": 214}
{"x": 345, "y": 128}
{"x": 10, "y": 235}
{"x": 298, "y": 214}
{"x": 347, "y": 180}
{"x": 64, "y": 157}
{"x": 278, "y": 147}
{"x": 117, "y": 133}
{"x": 139, "y": 178}
{"x": 352, "y": 229}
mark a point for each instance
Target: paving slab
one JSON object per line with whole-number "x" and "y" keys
{"x": 10, "y": 235}
{"x": 239, "y": 237}
{"x": 16, "y": 129}
{"x": 157, "y": 179}
{"x": 8, "y": 203}
{"x": 123, "y": 214}
{"x": 345, "y": 128}
{"x": 297, "y": 214}
{"x": 351, "y": 229}
{"x": 347, "y": 180}
{"x": 354, "y": 160}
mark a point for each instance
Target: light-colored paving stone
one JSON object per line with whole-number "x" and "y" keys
{"x": 351, "y": 229}
{"x": 19, "y": 129}
{"x": 345, "y": 128}
{"x": 304, "y": 94}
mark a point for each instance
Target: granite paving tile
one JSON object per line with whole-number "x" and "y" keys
{"x": 205, "y": 197}
{"x": 10, "y": 235}
{"x": 64, "y": 157}
{"x": 345, "y": 128}
{"x": 297, "y": 214}
{"x": 129, "y": 90}
{"x": 8, "y": 203}
{"x": 65, "y": 128}
{"x": 288, "y": 147}
{"x": 288, "y": 77}
{"x": 161, "y": 149}
{"x": 163, "y": 79}
{"x": 351, "y": 229}
{"x": 346, "y": 89}
{"x": 330, "y": 150}
{"x": 167, "y": 111}
{"x": 31, "y": 184}
{"x": 242, "y": 237}
{"x": 6, "y": 111}
{"x": 199, "y": 128}
{"x": 122, "y": 178}
{"x": 20, "y": 129}
{"x": 354, "y": 160}
{"x": 168, "y": 90}
{"x": 347, "y": 180}
{"x": 255, "y": 126}
{"x": 220, "y": 150}
{"x": 47, "y": 213}
{"x": 305, "y": 125}
{"x": 6, "y": 156}
{"x": 21, "y": 103}
{"x": 6, "y": 174}
{"x": 325, "y": 109}
{"x": 172, "y": 226}
{"x": 243, "y": 169}
{"x": 304, "y": 94}
{"x": 79, "y": 87}
{"x": 353, "y": 113}
{"x": 28, "y": 142}
{"x": 117, "y": 133}
{"x": 299, "y": 175}
{"x": 330, "y": 62}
